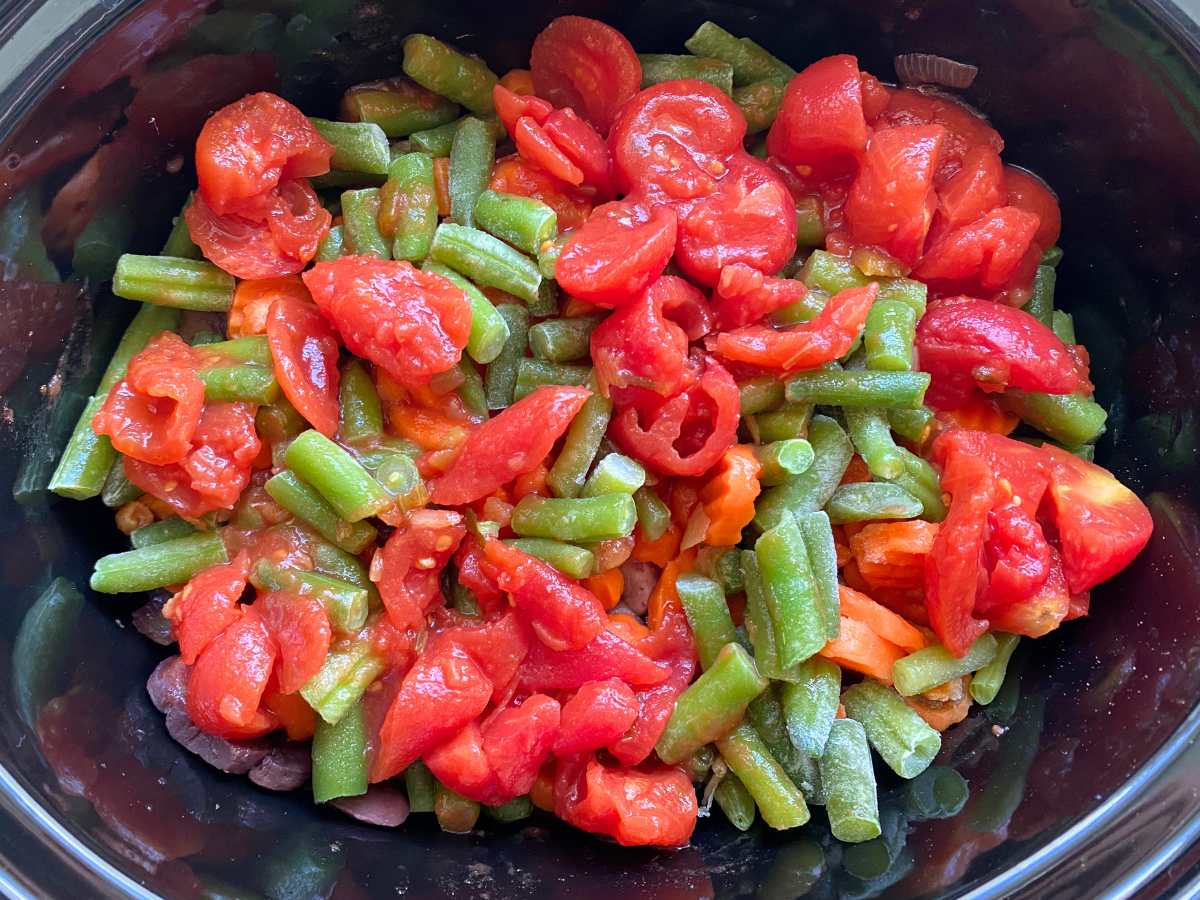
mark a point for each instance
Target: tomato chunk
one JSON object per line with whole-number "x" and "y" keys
{"x": 586, "y": 65}
{"x": 973, "y": 190}
{"x": 1041, "y": 612}
{"x": 518, "y": 739}
{"x": 536, "y": 146}
{"x": 304, "y": 351}
{"x": 1026, "y": 191}
{"x": 654, "y": 807}
{"x": 409, "y": 565}
{"x": 207, "y": 605}
{"x": 226, "y": 684}
{"x": 986, "y": 252}
{"x": 744, "y": 295}
{"x": 965, "y": 128}
{"x": 513, "y": 175}
{"x": 510, "y": 107}
{"x": 637, "y": 346}
{"x": 596, "y": 715}
{"x": 461, "y": 765}
{"x": 605, "y": 656}
{"x": 820, "y": 125}
{"x": 498, "y": 646}
{"x": 618, "y": 251}
{"x": 583, "y": 146}
{"x": 301, "y": 631}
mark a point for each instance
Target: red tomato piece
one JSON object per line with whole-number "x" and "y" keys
{"x": 1026, "y": 191}
{"x": 891, "y": 201}
{"x": 655, "y": 705}
{"x": 1017, "y": 558}
{"x": 518, "y": 739}
{"x": 300, "y": 628}
{"x": 513, "y": 175}
{"x": 744, "y": 295}
{"x": 508, "y": 445}
{"x": 443, "y": 691}
{"x": 1102, "y": 525}
{"x": 806, "y": 346}
{"x": 152, "y": 413}
{"x": 965, "y": 127}
{"x": 1021, "y": 470}
{"x": 618, "y": 251}
{"x": 412, "y": 324}
{"x": 606, "y": 656}
{"x": 876, "y": 97}
{"x": 685, "y": 434}
{"x": 248, "y": 147}
{"x": 583, "y": 146}
{"x": 535, "y": 145}
{"x": 586, "y": 65}
{"x": 750, "y": 218}
{"x": 304, "y": 350}
{"x": 672, "y": 140}
{"x": 820, "y": 125}
{"x": 975, "y": 189}
{"x": 409, "y": 565}
{"x": 595, "y": 716}
{"x": 686, "y": 306}
{"x": 654, "y": 807}
{"x": 510, "y": 107}
{"x": 963, "y": 342}
{"x": 461, "y": 765}
{"x": 226, "y": 684}
{"x": 987, "y": 251}
{"x": 478, "y": 576}
{"x": 498, "y": 646}
{"x": 207, "y": 605}
{"x": 637, "y": 346}
{"x": 561, "y": 612}
{"x": 1043, "y": 611}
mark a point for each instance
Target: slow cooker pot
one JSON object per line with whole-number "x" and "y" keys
{"x": 1085, "y": 783}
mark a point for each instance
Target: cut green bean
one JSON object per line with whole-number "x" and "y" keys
{"x": 805, "y": 309}
{"x": 750, "y": 62}
{"x": 759, "y": 103}
{"x": 871, "y": 433}
{"x": 545, "y": 304}
{"x": 339, "y": 757}
{"x": 455, "y": 813}
{"x": 810, "y": 222}
{"x": 1041, "y": 301}
{"x": 534, "y": 373}
{"x": 790, "y": 592}
{"x": 252, "y": 349}
{"x": 342, "y": 679}
{"x": 357, "y": 146}
{"x": 831, "y": 273}
{"x": 783, "y": 424}
{"x": 830, "y": 387}
{"x": 660, "y": 67}
{"x": 899, "y": 735}
{"x": 708, "y": 615}
{"x": 361, "y": 412}
{"x": 735, "y": 801}
{"x": 563, "y": 340}
{"x": 332, "y": 245}
{"x": 245, "y": 382}
{"x": 524, "y": 222}
{"x": 937, "y": 793}
{"x": 118, "y": 489}
{"x": 500, "y": 381}
{"x": 759, "y": 625}
{"x": 1070, "y": 419}
{"x": 985, "y": 684}
{"x": 888, "y": 336}
{"x": 400, "y": 477}
{"x": 765, "y": 713}
{"x": 812, "y": 488}
{"x": 345, "y": 603}
{"x": 179, "y": 242}
{"x": 568, "y": 475}
{"x": 471, "y": 390}
{"x": 514, "y": 810}
{"x": 935, "y": 665}
{"x": 158, "y": 532}
{"x": 654, "y": 518}
{"x": 822, "y": 557}
{"x": 761, "y": 394}
{"x": 548, "y": 254}
{"x": 921, "y": 480}
{"x": 159, "y": 565}
{"x": 576, "y": 562}
{"x": 410, "y": 190}
{"x": 489, "y": 329}
{"x": 194, "y": 284}
{"x": 849, "y": 781}
{"x": 486, "y": 260}
{"x": 398, "y": 106}
{"x": 912, "y": 424}
{"x": 810, "y": 705}
{"x": 337, "y": 476}
{"x": 419, "y": 784}
{"x": 614, "y": 474}
{"x": 585, "y": 519}
{"x": 360, "y": 214}
{"x": 780, "y": 460}
{"x": 872, "y": 501}
{"x": 724, "y": 566}
{"x": 448, "y": 73}
{"x": 1063, "y": 326}
{"x": 472, "y": 156}
{"x": 306, "y": 503}
{"x": 437, "y": 142}
{"x": 778, "y": 799}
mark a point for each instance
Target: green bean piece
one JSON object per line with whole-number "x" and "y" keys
{"x": 724, "y": 566}
{"x": 251, "y": 349}
{"x": 331, "y": 560}
{"x": 614, "y": 474}
{"x": 158, "y": 532}
{"x": 545, "y": 305}
{"x": 472, "y": 155}
{"x": 829, "y": 387}
{"x": 343, "y": 678}
{"x": 654, "y": 518}
{"x": 118, "y": 490}
{"x": 871, "y": 433}
{"x": 486, "y": 260}
{"x": 759, "y": 103}
{"x": 700, "y": 763}
{"x": 400, "y": 477}
{"x": 780, "y": 460}
{"x": 791, "y": 421}
{"x": 171, "y": 281}
{"x": 810, "y": 222}
{"x": 500, "y": 381}
{"x": 306, "y": 503}
{"x": 1004, "y": 790}
{"x": 707, "y": 614}
{"x": 549, "y": 252}
{"x": 345, "y": 603}
{"x": 660, "y": 67}
{"x": 339, "y": 757}
{"x": 750, "y": 61}
{"x": 872, "y": 501}
{"x": 534, "y": 373}
{"x": 568, "y": 475}
{"x": 1070, "y": 419}
{"x": 583, "y": 519}
{"x": 822, "y": 557}
{"x": 361, "y": 412}
{"x": 159, "y": 565}
{"x": 921, "y": 480}
{"x": 899, "y": 735}
{"x": 514, "y": 810}
{"x": 398, "y": 106}
{"x": 337, "y": 476}
{"x": 332, "y": 245}
{"x": 247, "y": 382}
{"x": 812, "y": 488}
{"x": 357, "y": 146}
{"x": 911, "y": 424}
{"x": 765, "y": 713}
{"x": 360, "y": 214}
{"x": 179, "y": 242}
{"x": 343, "y": 180}
{"x": 1053, "y": 256}
{"x": 563, "y": 340}
{"x": 446, "y": 72}
{"x": 420, "y": 785}
{"x": 831, "y": 273}
{"x": 849, "y": 781}
{"x": 790, "y": 592}
{"x": 455, "y": 813}
{"x": 985, "y": 684}
{"x": 805, "y": 309}
{"x": 471, "y": 390}
{"x": 438, "y": 142}
{"x": 735, "y": 801}
{"x": 759, "y": 624}
{"x": 1063, "y": 326}
{"x": 810, "y": 705}
{"x": 573, "y": 561}
{"x": 524, "y": 222}
{"x": 489, "y": 329}
{"x": 1041, "y": 301}
{"x": 931, "y": 666}
{"x": 410, "y": 189}
{"x": 778, "y": 799}
{"x": 937, "y": 793}
{"x": 761, "y": 394}
{"x": 888, "y": 336}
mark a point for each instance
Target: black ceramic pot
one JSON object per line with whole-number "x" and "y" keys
{"x": 1088, "y": 785}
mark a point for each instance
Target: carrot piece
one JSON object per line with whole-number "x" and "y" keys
{"x": 519, "y": 81}
{"x": 664, "y": 594}
{"x": 428, "y": 429}
{"x": 980, "y": 413}
{"x": 542, "y": 792}
{"x": 728, "y": 496}
{"x": 859, "y": 648}
{"x": 441, "y": 184}
{"x": 607, "y": 586}
{"x": 294, "y": 714}
{"x": 532, "y": 482}
{"x": 857, "y": 471}
{"x": 252, "y": 301}
{"x": 628, "y": 627}
{"x": 852, "y": 577}
{"x": 881, "y": 620}
{"x": 892, "y": 554}
{"x": 576, "y": 307}
{"x": 941, "y": 714}
{"x": 659, "y": 552}
{"x": 841, "y": 712}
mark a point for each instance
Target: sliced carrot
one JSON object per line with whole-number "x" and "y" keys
{"x": 859, "y": 648}
{"x": 892, "y": 554}
{"x": 427, "y": 429}
{"x": 661, "y": 551}
{"x": 252, "y": 301}
{"x": 294, "y": 714}
{"x": 441, "y": 184}
{"x": 857, "y": 471}
{"x": 628, "y": 627}
{"x": 728, "y": 495}
{"x": 531, "y": 482}
{"x": 940, "y": 715}
{"x": 852, "y": 577}
{"x": 980, "y": 413}
{"x": 842, "y": 546}
{"x": 881, "y": 620}
{"x": 519, "y": 81}
{"x": 664, "y": 594}
{"x": 607, "y": 586}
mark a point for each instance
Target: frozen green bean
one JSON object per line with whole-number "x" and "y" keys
{"x": 472, "y": 155}
{"x": 357, "y": 146}
{"x": 568, "y": 475}
{"x": 759, "y": 103}
{"x": 246, "y": 381}
{"x": 871, "y": 501}
{"x": 524, "y": 222}
{"x": 778, "y": 799}
{"x": 654, "y": 518}
{"x": 1070, "y": 419}
{"x": 398, "y": 106}
{"x": 765, "y": 713}
{"x": 911, "y": 424}
{"x": 346, "y": 604}
{"x": 921, "y": 480}
{"x": 410, "y": 191}
{"x": 790, "y": 592}
{"x": 735, "y": 801}
{"x": 444, "y": 71}
{"x": 822, "y": 557}
{"x": 780, "y": 460}
{"x": 563, "y": 340}
{"x": 534, "y": 373}
{"x": 576, "y": 562}
{"x": 339, "y": 757}
{"x": 194, "y": 284}
{"x": 337, "y": 476}
{"x": 750, "y": 62}
{"x": 159, "y": 565}
{"x": 849, "y": 781}
{"x": 791, "y": 421}
{"x": 157, "y": 532}
{"x": 888, "y": 336}
{"x": 935, "y": 665}
{"x": 500, "y": 381}
{"x": 1041, "y": 301}
{"x": 486, "y": 260}
{"x": 812, "y": 488}
{"x": 899, "y": 735}
{"x": 360, "y": 215}
{"x": 810, "y": 705}
{"x": 985, "y": 684}
{"x": 361, "y": 412}
{"x": 582, "y": 519}
{"x": 708, "y": 615}
{"x": 871, "y": 433}
{"x": 306, "y": 503}
{"x": 614, "y": 474}
{"x": 761, "y": 394}
{"x": 660, "y": 67}
{"x": 831, "y": 387}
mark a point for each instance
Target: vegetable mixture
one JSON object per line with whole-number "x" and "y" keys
{"x": 619, "y": 436}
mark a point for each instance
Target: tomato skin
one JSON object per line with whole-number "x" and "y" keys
{"x": 152, "y": 413}
{"x": 973, "y": 190}
{"x": 986, "y": 252}
{"x": 806, "y": 346}
{"x": 616, "y": 253}
{"x": 596, "y": 715}
{"x": 605, "y": 656}
{"x": 586, "y": 65}
{"x": 1102, "y": 525}
{"x": 226, "y": 684}
{"x": 478, "y": 576}
{"x": 207, "y": 605}
{"x": 408, "y": 584}
{"x": 510, "y": 107}
{"x": 820, "y": 123}
{"x": 1028, "y": 192}
{"x": 584, "y": 147}
{"x": 518, "y": 740}
{"x": 304, "y": 351}
{"x": 891, "y": 201}
{"x": 536, "y": 146}
{"x": 637, "y": 346}
{"x": 685, "y": 434}
{"x": 248, "y": 147}
{"x": 562, "y": 613}
{"x": 1018, "y": 558}
{"x": 1020, "y": 469}
{"x": 300, "y": 628}
{"x": 965, "y": 128}
{"x": 508, "y": 445}
{"x": 744, "y": 295}
{"x": 963, "y": 341}
{"x": 513, "y": 175}
{"x": 412, "y": 324}
{"x": 498, "y": 646}
{"x": 1041, "y": 612}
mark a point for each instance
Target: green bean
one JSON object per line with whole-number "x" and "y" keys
{"x": 791, "y": 421}
{"x": 400, "y": 477}
{"x": 247, "y": 382}
{"x": 761, "y": 394}
{"x": 899, "y": 735}
{"x": 858, "y": 389}
{"x": 444, "y": 71}
{"x": 524, "y": 222}
{"x": 888, "y": 336}
{"x": 811, "y": 489}
{"x": 735, "y": 801}
{"x": 360, "y": 214}
{"x": 489, "y": 329}
{"x": 545, "y": 304}
{"x": 1063, "y": 326}
{"x": 582, "y": 519}
{"x": 985, "y": 684}
{"x": 549, "y": 252}
{"x": 471, "y": 390}
{"x": 568, "y": 475}
{"x": 614, "y": 474}
{"x": 833, "y": 273}
{"x": 759, "y": 624}
{"x": 937, "y": 793}
{"x": 472, "y": 155}
{"x": 1041, "y": 301}
{"x": 158, "y": 532}
{"x": 170, "y": 281}
{"x": 514, "y": 810}
{"x": 563, "y": 340}
{"x": 343, "y": 678}
{"x": 398, "y": 106}
{"x": 1052, "y": 257}
{"x": 759, "y": 103}
{"x": 849, "y": 781}
{"x": 118, "y": 489}
{"x": 337, "y": 476}
{"x": 339, "y": 757}
{"x": 357, "y": 146}
{"x": 700, "y": 763}
{"x": 455, "y": 813}
{"x": 708, "y": 615}
{"x": 332, "y": 245}
{"x": 534, "y": 373}
{"x": 654, "y": 518}
{"x": 576, "y": 562}
{"x": 921, "y": 481}
{"x": 660, "y": 67}
{"x": 822, "y": 557}
{"x": 361, "y": 411}
{"x": 159, "y": 565}
{"x": 779, "y": 800}
{"x": 935, "y": 665}
{"x": 810, "y": 222}
{"x": 872, "y": 501}
{"x": 331, "y": 560}
{"x": 410, "y": 177}
{"x": 805, "y": 309}
{"x": 750, "y": 61}
{"x": 438, "y": 142}
{"x": 252, "y": 349}
{"x": 911, "y": 424}
{"x": 304, "y": 502}
{"x": 346, "y": 604}
{"x": 790, "y": 592}
{"x": 486, "y": 260}
{"x": 501, "y": 379}
{"x": 765, "y": 713}
{"x": 419, "y": 784}
{"x": 871, "y": 434}
{"x": 1070, "y": 419}
{"x": 780, "y": 460}
{"x": 810, "y": 705}
{"x": 724, "y": 566}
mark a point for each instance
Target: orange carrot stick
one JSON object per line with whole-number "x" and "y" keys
{"x": 881, "y": 620}
{"x": 859, "y": 648}
{"x": 664, "y": 594}
{"x": 661, "y": 551}
{"x": 728, "y": 496}
{"x": 892, "y": 554}
{"x": 607, "y": 586}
